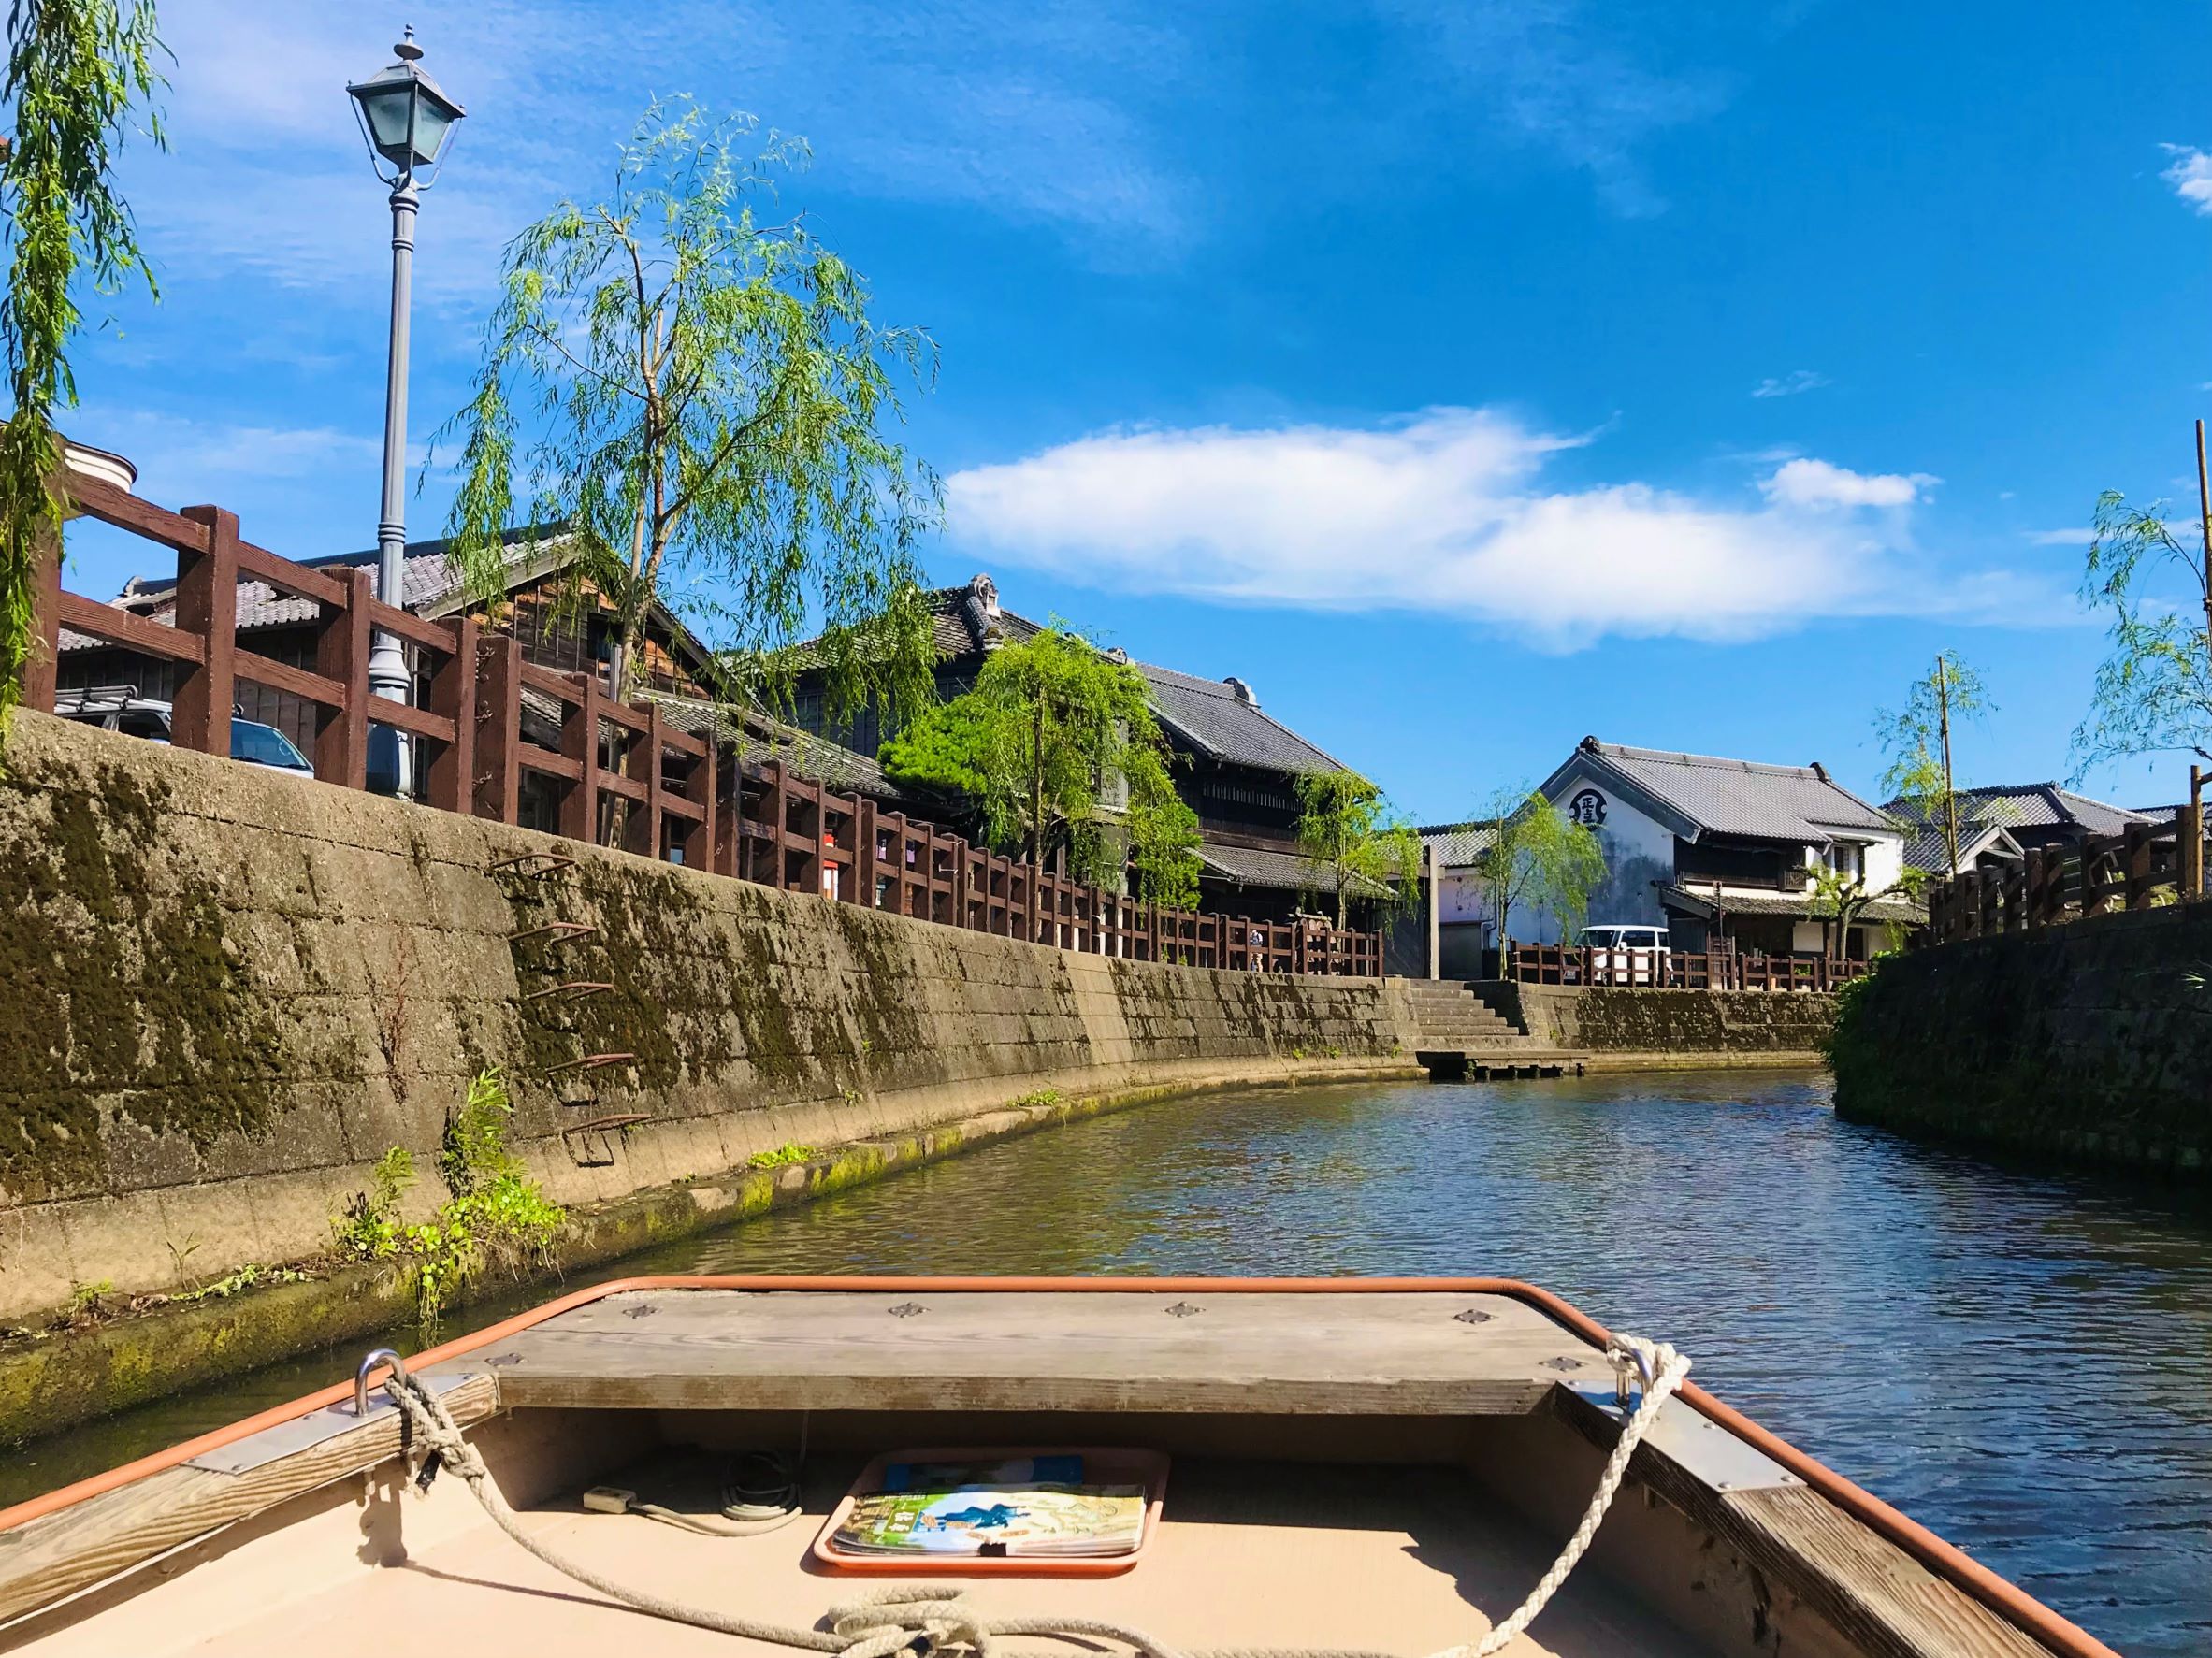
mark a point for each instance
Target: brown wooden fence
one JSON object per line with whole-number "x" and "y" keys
{"x": 620, "y": 772}
{"x": 1675, "y": 970}
{"x": 2147, "y": 865}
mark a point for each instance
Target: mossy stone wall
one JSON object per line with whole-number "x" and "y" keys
{"x": 229, "y": 991}
{"x": 2089, "y": 1041}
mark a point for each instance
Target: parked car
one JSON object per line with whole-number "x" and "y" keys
{"x": 120, "y": 708}
{"x": 1626, "y": 955}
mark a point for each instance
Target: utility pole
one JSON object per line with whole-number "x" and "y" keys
{"x": 2192, "y": 832}
{"x": 2204, "y": 514}
{"x": 1943, "y": 704}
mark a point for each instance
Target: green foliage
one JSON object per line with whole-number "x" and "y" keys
{"x": 1348, "y": 833}
{"x": 702, "y": 400}
{"x": 1539, "y": 856}
{"x": 494, "y": 1213}
{"x": 1056, "y": 745}
{"x": 370, "y": 1229}
{"x": 790, "y": 1152}
{"x": 1917, "y": 740}
{"x": 1840, "y": 899}
{"x": 90, "y": 1301}
{"x": 1847, "y": 1039}
{"x": 2154, "y": 688}
{"x": 940, "y": 751}
{"x": 1037, "y": 1099}
{"x": 77, "y": 73}
{"x": 252, "y": 1275}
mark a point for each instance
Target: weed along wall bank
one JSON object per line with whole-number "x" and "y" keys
{"x": 231, "y": 992}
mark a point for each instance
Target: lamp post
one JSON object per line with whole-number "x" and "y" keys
{"x": 406, "y": 119}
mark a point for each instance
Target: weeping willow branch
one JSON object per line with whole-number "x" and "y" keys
{"x": 79, "y": 71}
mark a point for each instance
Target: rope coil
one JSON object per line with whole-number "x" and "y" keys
{"x": 925, "y": 1619}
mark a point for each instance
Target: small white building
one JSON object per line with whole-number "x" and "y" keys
{"x": 1720, "y": 852}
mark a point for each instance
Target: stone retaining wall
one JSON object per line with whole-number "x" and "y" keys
{"x": 231, "y": 991}
{"x": 1605, "y": 1019}
{"x": 2090, "y": 1041}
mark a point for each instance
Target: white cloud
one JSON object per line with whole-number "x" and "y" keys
{"x": 2190, "y": 175}
{"x": 1806, "y": 483}
{"x": 2061, "y": 538}
{"x": 1444, "y": 511}
{"x": 1791, "y": 384}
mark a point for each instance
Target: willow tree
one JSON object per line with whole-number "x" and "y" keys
{"x": 1058, "y": 746}
{"x": 79, "y": 73}
{"x": 1348, "y": 833}
{"x": 699, "y": 401}
{"x": 2154, "y": 689}
{"x": 1540, "y": 857}
{"x": 1840, "y": 901}
{"x": 1917, "y": 740}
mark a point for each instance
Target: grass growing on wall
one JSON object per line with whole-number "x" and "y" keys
{"x": 495, "y": 1215}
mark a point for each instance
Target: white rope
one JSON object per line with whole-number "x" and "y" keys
{"x": 885, "y": 1622}
{"x": 1665, "y": 1369}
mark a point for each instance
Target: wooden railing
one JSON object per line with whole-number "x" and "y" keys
{"x": 1675, "y": 970}
{"x": 2147, "y": 864}
{"x": 620, "y": 773}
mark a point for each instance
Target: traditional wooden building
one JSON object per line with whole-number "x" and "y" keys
{"x": 2001, "y": 823}
{"x": 1234, "y": 763}
{"x": 1720, "y": 852}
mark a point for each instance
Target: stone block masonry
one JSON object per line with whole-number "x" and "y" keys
{"x": 1717, "y": 1027}
{"x": 2090, "y": 1041}
{"x": 228, "y": 992}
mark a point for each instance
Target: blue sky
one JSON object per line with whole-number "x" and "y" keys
{"x": 1467, "y": 377}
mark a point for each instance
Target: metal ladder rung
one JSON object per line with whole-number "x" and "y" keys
{"x": 591, "y": 1062}
{"x": 565, "y": 930}
{"x": 573, "y": 990}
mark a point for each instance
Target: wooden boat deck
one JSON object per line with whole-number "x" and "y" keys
{"x": 1334, "y": 1354}
{"x": 1398, "y": 1560}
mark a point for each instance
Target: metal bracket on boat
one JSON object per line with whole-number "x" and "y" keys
{"x": 303, "y": 1433}
{"x": 1705, "y": 1451}
{"x": 1627, "y": 1363}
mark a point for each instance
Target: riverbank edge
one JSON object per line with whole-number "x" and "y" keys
{"x": 1692, "y": 1060}
{"x": 67, "y": 1378}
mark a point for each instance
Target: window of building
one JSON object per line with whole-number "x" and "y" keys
{"x": 1847, "y": 859}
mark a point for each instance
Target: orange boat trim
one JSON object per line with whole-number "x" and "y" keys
{"x": 2010, "y": 1602}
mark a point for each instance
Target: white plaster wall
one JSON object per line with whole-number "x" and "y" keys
{"x": 1639, "y": 850}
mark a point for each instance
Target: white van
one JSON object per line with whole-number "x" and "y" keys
{"x": 1626, "y": 955}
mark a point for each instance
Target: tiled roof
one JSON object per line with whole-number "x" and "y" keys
{"x": 1277, "y": 872}
{"x": 428, "y": 575}
{"x": 1779, "y": 904}
{"x": 1741, "y": 797}
{"x": 1458, "y": 844}
{"x": 2010, "y": 806}
{"x": 1223, "y": 722}
{"x": 1221, "y": 719}
{"x": 1928, "y": 850}
{"x": 2031, "y": 805}
{"x": 757, "y": 739}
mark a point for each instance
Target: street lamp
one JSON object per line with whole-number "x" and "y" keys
{"x": 405, "y": 121}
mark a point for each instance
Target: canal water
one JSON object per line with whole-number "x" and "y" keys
{"x": 2020, "y": 1358}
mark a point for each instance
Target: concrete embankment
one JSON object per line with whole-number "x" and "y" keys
{"x": 2090, "y": 1041}
{"x": 1625, "y": 1028}
{"x": 231, "y": 992}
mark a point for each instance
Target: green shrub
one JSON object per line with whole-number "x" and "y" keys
{"x": 494, "y": 1213}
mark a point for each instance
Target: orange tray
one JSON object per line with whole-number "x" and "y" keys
{"x": 1101, "y": 1464}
